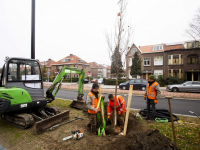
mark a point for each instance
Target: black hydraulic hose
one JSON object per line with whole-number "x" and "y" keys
{"x": 160, "y": 113}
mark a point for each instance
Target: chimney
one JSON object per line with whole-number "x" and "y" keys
{"x": 71, "y": 54}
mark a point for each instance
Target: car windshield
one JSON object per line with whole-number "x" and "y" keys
{"x": 127, "y": 81}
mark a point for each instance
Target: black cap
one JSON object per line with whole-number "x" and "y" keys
{"x": 95, "y": 86}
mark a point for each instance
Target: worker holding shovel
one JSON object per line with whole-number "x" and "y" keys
{"x": 91, "y": 104}
{"x": 152, "y": 93}
{"x": 120, "y": 107}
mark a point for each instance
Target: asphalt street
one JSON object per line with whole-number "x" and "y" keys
{"x": 179, "y": 106}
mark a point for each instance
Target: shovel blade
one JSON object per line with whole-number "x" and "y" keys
{"x": 78, "y": 104}
{"x": 43, "y": 125}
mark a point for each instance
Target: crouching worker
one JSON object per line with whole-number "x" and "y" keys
{"x": 120, "y": 108}
{"x": 91, "y": 104}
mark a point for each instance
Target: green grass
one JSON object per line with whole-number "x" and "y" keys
{"x": 187, "y": 135}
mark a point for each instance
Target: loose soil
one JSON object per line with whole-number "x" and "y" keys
{"x": 139, "y": 136}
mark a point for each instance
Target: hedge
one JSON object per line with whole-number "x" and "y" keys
{"x": 69, "y": 80}
{"x": 113, "y": 82}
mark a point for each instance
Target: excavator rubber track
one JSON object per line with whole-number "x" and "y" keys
{"x": 22, "y": 120}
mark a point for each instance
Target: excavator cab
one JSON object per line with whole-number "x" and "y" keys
{"x": 21, "y": 85}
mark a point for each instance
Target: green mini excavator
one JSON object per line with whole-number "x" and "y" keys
{"x": 22, "y": 100}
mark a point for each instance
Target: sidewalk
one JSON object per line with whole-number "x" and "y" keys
{"x": 2, "y": 148}
{"x": 106, "y": 89}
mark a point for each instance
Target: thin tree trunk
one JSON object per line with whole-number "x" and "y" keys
{"x": 115, "y": 111}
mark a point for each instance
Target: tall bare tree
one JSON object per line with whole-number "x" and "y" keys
{"x": 194, "y": 30}
{"x": 120, "y": 39}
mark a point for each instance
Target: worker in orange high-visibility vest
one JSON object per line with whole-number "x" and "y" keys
{"x": 152, "y": 93}
{"x": 92, "y": 100}
{"x": 120, "y": 107}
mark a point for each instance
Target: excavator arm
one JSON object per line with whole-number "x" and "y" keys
{"x": 58, "y": 82}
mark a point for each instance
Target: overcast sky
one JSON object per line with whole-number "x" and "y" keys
{"x": 66, "y": 27}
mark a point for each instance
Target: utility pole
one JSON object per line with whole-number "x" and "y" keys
{"x": 33, "y": 30}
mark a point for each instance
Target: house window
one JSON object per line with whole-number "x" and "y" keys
{"x": 67, "y": 60}
{"x": 133, "y": 51}
{"x": 130, "y": 62}
{"x": 77, "y": 66}
{"x": 175, "y": 59}
{"x": 77, "y": 75}
{"x": 169, "y": 60}
{"x": 158, "y": 72}
{"x": 175, "y": 73}
{"x": 147, "y": 61}
{"x": 60, "y": 67}
{"x": 157, "y": 47}
{"x": 192, "y": 59}
{"x": 158, "y": 60}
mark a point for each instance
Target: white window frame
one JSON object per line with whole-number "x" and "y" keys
{"x": 146, "y": 60}
{"x": 157, "y": 47}
{"x": 158, "y": 74}
{"x": 130, "y": 62}
{"x": 158, "y": 64}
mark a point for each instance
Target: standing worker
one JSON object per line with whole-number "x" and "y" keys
{"x": 152, "y": 94}
{"x": 120, "y": 107}
{"x": 92, "y": 100}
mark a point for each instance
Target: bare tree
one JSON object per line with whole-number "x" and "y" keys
{"x": 194, "y": 30}
{"x": 120, "y": 40}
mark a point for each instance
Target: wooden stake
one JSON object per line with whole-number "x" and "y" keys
{"x": 128, "y": 108}
{"x": 172, "y": 120}
{"x": 102, "y": 113}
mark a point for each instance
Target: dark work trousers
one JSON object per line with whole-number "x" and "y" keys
{"x": 151, "y": 106}
{"x": 94, "y": 122}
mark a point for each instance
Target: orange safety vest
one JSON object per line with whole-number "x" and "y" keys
{"x": 94, "y": 102}
{"x": 120, "y": 105}
{"x": 151, "y": 91}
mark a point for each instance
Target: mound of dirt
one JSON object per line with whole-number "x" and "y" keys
{"x": 151, "y": 139}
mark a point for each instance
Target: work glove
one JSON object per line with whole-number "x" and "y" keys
{"x": 119, "y": 112}
{"x": 155, "y": 101}
{"x": 145, "y": 96}
{"x": 108, "y": 117}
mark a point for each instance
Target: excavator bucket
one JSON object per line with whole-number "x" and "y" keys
{"x": 45, "y": 124}
{"x": 79, "y": 104}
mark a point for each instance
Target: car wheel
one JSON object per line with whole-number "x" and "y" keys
{"x": 124, "y": 88}
{"x": 174, "y": 89}
{"x": 143, "y": 88}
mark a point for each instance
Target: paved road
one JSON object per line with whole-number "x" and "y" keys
{"x": 179, "y": 106}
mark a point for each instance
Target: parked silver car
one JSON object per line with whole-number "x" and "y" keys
{"x": 189, "y": 86}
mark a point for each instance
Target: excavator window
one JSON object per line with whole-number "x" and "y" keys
{"x": 23, "y": 70}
